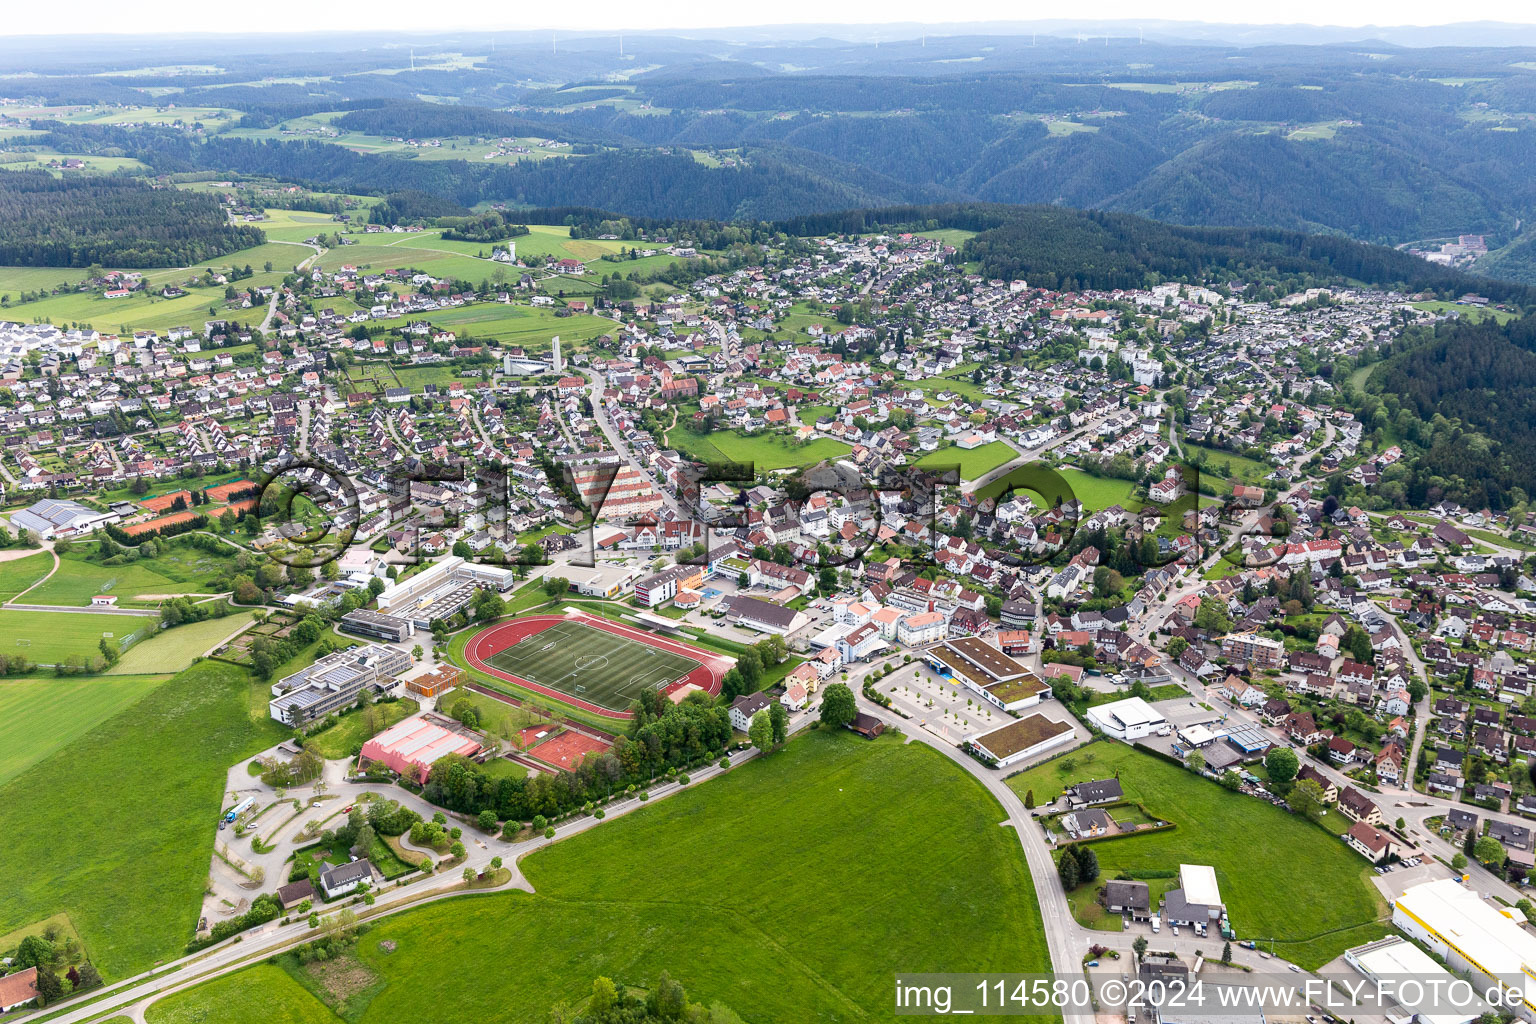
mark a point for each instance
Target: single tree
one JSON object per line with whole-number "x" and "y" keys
{"x": 760, "y": 732}
{"x": 837, "y": 705}
{"x": 1307, "y": 799}
{"x": 1488, "y": 851}
{"x": 778, "y": 717}
{"x": 1087, "y": 864}
{"x": 1282, "y": 763}
{"x": 1067, "y": 869}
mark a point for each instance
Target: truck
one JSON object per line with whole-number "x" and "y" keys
{"x": 1247, "y": 944}
{"x": 239, "y": 809}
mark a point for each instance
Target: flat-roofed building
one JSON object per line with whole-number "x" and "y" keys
{"x": 1021, "y": 739}
{"x": 377, "y": 625}
{"x": 1395, "y": 958}
{"x": 412, "y": 745}
{"x": 1471, "y": 935}
{"x": 1253, "y": 649}
{"x": 334, "y": 682}
{"x": 1128, "y": 719}
{"x": 442, "y": 589}
{"x": 986, "y": 671}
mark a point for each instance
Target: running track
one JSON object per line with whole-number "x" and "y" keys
{"x": 495, "y": 639}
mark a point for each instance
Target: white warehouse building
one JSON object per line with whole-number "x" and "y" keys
{"x": 1129, "y": 719}
{"x": 1471, "y": 935}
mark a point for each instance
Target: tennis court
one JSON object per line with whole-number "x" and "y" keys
{"x": 594, "y": 665}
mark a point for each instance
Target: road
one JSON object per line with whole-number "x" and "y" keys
{"x": 600, "y": 414}
{"x": 1061, "y": 930}
{"x": 1025, "y": 456}
{"x": 132, "y": 995}
{"x": 266, "y": 321}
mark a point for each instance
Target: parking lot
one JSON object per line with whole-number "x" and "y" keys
{"x": 944, "y": 708}
{"x": 954, "y": 713}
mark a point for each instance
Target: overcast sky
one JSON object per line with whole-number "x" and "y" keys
{"x": 178, "y": 16}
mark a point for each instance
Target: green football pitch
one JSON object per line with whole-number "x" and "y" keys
{"x": 592, "y": 664}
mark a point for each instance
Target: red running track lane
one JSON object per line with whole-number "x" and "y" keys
{"x": 495, "y": 639}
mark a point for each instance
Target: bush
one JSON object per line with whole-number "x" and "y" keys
{"x": 264, "y": 908}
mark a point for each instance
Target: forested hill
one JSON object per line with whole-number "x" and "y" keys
{"x": 112, "y": 221}
{"x": 642, "y": 182}
{"x": 1058, "y": 248}
{"x": 1466, "y": 393}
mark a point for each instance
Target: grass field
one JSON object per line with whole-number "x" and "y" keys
{"x": 42, "y": 715}
{"x": 497, "y": 717}
{"x": 974, "y": 462}
{"x": 256, "y": 996}
{"x": 179, "y": 570}
{"x": 347, "y": 736}
{"x": 528, "y": 326}
{"x": 49, "y": 637}
{"x": 174, "y": 649}
{"x": 1472, "y": 313}
{"x": 606, "y": 669}
{"x": 1226, "y": 466}
{"x": 1298, "y": 885}
{"x": 20, "y": 573}
{"x": 880, "y": 875}
{"x": 143, "y": 789}
{"x": 1098, "y": 492}
{"x": 766, "y": 452}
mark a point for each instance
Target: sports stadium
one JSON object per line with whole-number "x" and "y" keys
{"x": 590, "y": 662}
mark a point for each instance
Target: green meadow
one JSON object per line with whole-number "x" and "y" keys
{"x": 788, "y": 890}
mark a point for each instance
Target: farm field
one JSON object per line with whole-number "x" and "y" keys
{"x": 429, "y": 252}
{"x": 973, "y": 462}
{"x": 728, "y": 928}
{"x": 766, "y": 452}
{"x": 20, "y": 573}
{"x": 1260, "y": 882}
{"x": 41, "y": 715}
{"x": 147, "y": 309}
{"x": 178, "y": 570}
{"x": 152, "y": 778}
{"x": 174, "y": 649}
{"x": 50, "y": 637}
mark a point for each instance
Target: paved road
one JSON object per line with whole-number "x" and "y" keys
{"x": 1061, "y": 931}
{"x": 133, "y": 995}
